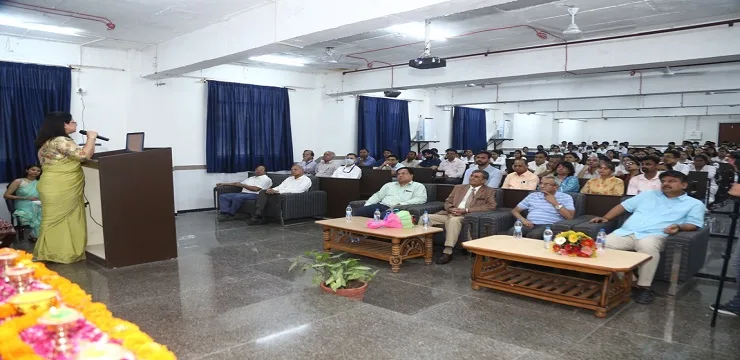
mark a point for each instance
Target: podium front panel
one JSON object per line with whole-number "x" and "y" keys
{"x": 94, "y": 211}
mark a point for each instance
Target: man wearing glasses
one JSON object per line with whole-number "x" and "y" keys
{"x": 544, "y": 207}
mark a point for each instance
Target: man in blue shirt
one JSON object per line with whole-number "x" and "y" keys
{"x": 429, "y": 160}
{"x": 483, "y": 162}
{"x": 386, "y": 154}
{"x": 655, "y": 216}
{"x": 545, "y": 207}
{"x": 365, "y": 159}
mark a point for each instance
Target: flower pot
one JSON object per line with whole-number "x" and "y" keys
{"x": 353, "y": 293}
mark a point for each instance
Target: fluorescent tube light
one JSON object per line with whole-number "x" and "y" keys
{"x": 417, "y": 31}
{"x": 9, "y": 21}
{"x": 280, "y": 60}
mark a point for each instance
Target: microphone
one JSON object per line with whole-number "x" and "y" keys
{"x": 83, "y": 132}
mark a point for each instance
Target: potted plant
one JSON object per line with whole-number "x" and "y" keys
{"x": 344, "y": 277}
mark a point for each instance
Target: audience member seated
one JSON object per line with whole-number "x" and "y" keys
{"x": 552, "y": 164}
{"x": 326, "y": 166}
{"x": 464, "y": 199}
{"x": 365, "y": 159}
{"x": 655, "y": 216}
{"x": 684, "y": 157}
{"x": 670, "y": 158}
{"x": 573, "y": 158}
{"x": 544, "y": 207}
{"x": 621, "y": 169}
{"x": 229, "y": 204}
{"x": 721, "y": 156}
{"x": 402, "y": 192}
{"x": 606, "y": 183}
{"x": 350, "y": 170}
{"x": 631, "y": 170}
{"x": 308, "y": 164}
{"x": 23, "y": 192}
{"x": 539, "y": 165}
{"x": 410, "y": 160}
{"x": 517, "y": 155}
{"x": 469, "y": 157}
{"x": 297, "y": 183}
{"x": 591, "y": 170}
{"x": 386, "y": 154}
{"x": 453, "y": 167}
{"x": 701, "y": 163}
{"x": 525, "y": 151}
{"x": 483, "y": 163}
{"x": 498, "y": 159}
{"x": 520, "y": 179}
{"x": 555, "y": 150}
{"x": 391, "y": 163}
{"x": 564, "y": 177}
{"x": 429, "y": 160}
{"x": 648, "y": 180}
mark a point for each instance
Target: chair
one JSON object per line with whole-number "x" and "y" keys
{"x": 19, "y": 229}
{"x": 417, "y": 210}
{"x": 424, "y": 175}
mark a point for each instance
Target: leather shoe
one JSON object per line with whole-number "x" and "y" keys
{"x": 444, "y": 259}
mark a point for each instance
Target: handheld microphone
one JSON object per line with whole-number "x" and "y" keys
{"x": 83, "y": 132}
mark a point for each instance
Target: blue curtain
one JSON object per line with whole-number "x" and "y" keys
{"x": 469, "y": 129}
{"x": 27, "y": 93}
{"x": 383, "y": 124}
{"x": 247, "y": 126}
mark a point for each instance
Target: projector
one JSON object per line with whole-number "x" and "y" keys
{"x": 432, "y": 62}
{"x": 391, "y": 93}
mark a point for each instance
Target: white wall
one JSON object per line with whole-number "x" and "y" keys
{"x": 531, "y": 130}
{"x": 653, "y": 131}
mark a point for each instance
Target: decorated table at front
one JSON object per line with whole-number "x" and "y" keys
{"x": 45, "y": 316}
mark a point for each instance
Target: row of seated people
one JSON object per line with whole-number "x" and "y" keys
{"x": 657, "y": 214}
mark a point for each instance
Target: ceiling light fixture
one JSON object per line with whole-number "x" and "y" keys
{"x": 279, "y": 60}
{"x": 417, "y": 31}
{"x": 12, "y": 22}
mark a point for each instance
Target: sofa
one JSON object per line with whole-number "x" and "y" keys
{"x": 291, "y": 206}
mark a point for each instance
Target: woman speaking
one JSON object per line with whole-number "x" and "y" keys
{"x": 63, "y": 234}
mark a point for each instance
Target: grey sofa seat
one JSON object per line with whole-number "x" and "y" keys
{"x": 500, "y": 222}
{"x": 288, "y": 206}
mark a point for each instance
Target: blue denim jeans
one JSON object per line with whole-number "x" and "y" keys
{"x": 230, "y": 203}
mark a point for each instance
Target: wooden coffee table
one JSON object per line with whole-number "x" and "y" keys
{"x": 493, "y": 269}
{"x": 392, "y": 245}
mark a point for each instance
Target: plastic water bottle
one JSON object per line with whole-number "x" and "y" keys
{"x": 547, "y": 237}
{"x": 425, "y": 220}
{"x": 601, "y": 241}
{"x": 518, "y": 229}
{"x": 376, "y": 216}
{"x": 348, "y": 214}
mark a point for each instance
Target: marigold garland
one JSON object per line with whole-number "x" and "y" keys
{"x": 130, "y": 336}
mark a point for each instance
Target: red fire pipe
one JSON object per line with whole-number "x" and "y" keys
{"x": 47, "y": 10}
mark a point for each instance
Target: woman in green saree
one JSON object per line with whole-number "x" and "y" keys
{"x": 25, "y": 195}
{"x": 63, "y": 234}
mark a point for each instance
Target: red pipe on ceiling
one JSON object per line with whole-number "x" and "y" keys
{"x": 47, "y": 10}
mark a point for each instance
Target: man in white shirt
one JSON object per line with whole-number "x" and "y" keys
{"x": 648, "y": 180}
{"x": 350, "y": 170}
{"x": 591, "y": 170}
{"x": 539, "y": 165}
{"x": 572, "y": 158}
{"x": 229, "y": 204}
{"x": 453, "y": 167}
{"x": 410, "y": 160}
{"x": 297, "y": 183}
{"x": 483, "y": 163}
{"x": 326, "y": 166}
{"x": 670, "y": 158}
{"x": 701, "y": 164}
{"x": 469, "y": 156}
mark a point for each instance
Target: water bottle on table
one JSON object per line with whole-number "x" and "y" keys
{"x": 348, "y": 214}
{"x": 425, "y": 220}
{"x": 376, "y": 216}
{"x": 547, "y": 236}
{"x": 601, "y": 241}
{"x": 518, "y": 229}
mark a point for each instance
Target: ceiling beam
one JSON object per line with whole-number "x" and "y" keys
{"x": 647, "y": 113}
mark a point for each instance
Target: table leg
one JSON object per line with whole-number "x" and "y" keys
{"x": 601, "y": 313}
{"x": 627, "y": 282}
{"x": 428, "y": 249}
{"x": 475, "y": 272}
{"x": 395, "y": 255}
{"x": 327, "y": 239}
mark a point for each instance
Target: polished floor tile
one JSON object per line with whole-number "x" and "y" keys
{"x": 229, "y": 295}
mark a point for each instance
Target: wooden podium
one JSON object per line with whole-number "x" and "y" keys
{"x": 130, "y": 207}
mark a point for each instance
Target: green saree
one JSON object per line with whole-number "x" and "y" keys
{"x": 63, "y": 234}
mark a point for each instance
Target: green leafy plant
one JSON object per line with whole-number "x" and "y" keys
{"x": 333, "y": 271}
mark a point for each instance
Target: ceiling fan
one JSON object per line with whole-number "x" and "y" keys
{"x": 669, "y": 72}
{"x": 572, "y": 30}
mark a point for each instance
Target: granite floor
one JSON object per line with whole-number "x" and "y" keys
{"x": 229, "y": 295}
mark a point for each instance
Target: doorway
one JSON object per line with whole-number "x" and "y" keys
{"x": 729, "y": 132}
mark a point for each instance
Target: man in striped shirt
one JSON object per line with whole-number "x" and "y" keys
{"x": 545, "y": 207}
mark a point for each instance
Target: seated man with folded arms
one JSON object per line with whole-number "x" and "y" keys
{"x": 464, "y": 199}
{"x": 297, "y": 183}
{"x": 453, "y": 167}
{"x": 350, "y": 170}
{"x": 229, "y": 204}
{"x": 521, "y": 178}
{"x": 402, "y": 192}
{"x": 655, "y": 216}
{"x": 482, "y": 162}
{"x": 308, "y": 164}
{"x": 391, "y": 163}
{"x": 386, "y": 154}
{"x": 325, "y": 166}
{"x": 429, "y": 160}
{"x": 545, "y": 207}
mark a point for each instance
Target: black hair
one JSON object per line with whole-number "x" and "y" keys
{"x": 410, "y": 170}
{"x": 554, "y": 156}
{"x": 427, "y": 151}
{"x": 483, "y": 152}
{"x": 388, "y": 150}
{"x": 519, "y": 151}
{"x": 29, "y": 167}
{"x": 541, "y": 152}
{"x": 311, "y": 151}
{"x": 52, "y": 127}
{"x": 412, "y": 151}
{"x": 674, "y": 174}
{"x": 352, "y": 154}
{"x": 702, "y": 156}
{"x": 675, "y": 153}
{"x": 451, "y": 149}
{"x": 392, "y": 156}
{"x": 569, "y": 166}
{"x": 609, "y": 164}
{"x": 571, "y": 153}
{"x": 485, "y": 174}
{"x": 652, "y": 158}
